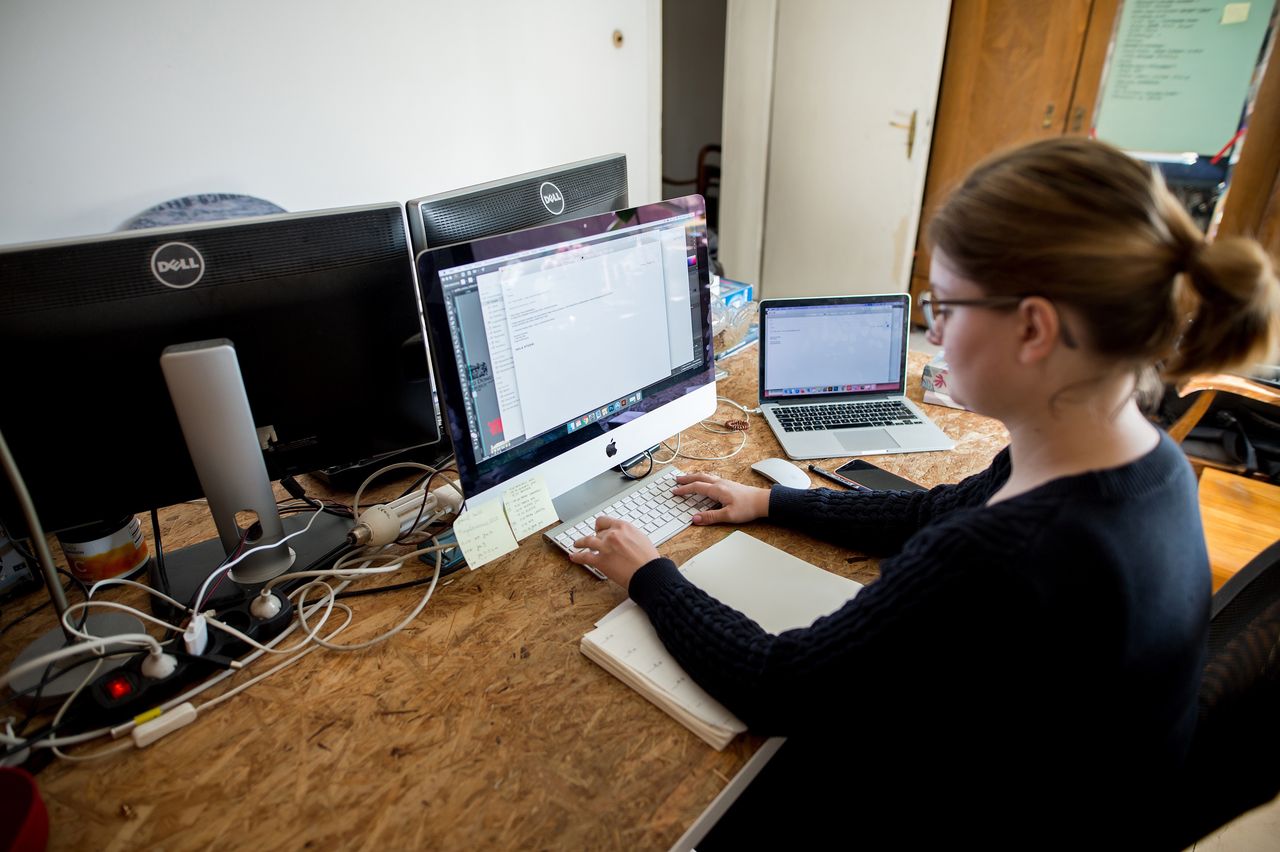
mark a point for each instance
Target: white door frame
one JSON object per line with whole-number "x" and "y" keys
{"x": 749, "y": 33}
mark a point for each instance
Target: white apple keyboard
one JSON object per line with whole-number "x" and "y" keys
{"x": 648, "y": 505}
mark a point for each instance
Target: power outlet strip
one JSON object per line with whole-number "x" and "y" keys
{"x": 124, "y": 693}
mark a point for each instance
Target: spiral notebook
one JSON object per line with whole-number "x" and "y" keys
{"x": 777, "y": 590}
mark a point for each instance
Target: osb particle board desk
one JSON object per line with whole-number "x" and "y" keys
{"x": 480, "y": 726}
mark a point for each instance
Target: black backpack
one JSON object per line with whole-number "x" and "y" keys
{"x": 1235, "y": 431}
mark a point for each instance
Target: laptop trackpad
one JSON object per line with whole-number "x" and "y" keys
{"x": 866, "y": 439}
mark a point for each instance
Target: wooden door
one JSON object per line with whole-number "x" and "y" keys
{"x": 1016, "y": 71}
{"x": 1252, "y": 206}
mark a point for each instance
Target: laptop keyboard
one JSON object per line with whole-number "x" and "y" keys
{"x": 844, "y": 415}
{"x": 648, "y": 504}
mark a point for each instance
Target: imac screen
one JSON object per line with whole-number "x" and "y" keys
{"x": 559, "y": 334}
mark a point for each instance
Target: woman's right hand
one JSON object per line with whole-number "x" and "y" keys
{"x": 738, "y": 503}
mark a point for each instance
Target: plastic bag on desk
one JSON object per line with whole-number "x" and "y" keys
{"x": 736, "y": 321}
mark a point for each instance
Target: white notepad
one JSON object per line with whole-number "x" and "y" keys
{"x": 775, "y": 589}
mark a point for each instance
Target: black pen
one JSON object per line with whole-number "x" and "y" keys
{"x": 835, "y": 477}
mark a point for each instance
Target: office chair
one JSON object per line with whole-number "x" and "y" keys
{"x": 1234, "y": 764}
{"x": 1235, "y": 453}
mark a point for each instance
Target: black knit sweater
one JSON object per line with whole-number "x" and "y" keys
{"x": 1050, "y": 645}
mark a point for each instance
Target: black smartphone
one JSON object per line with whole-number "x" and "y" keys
{"x": 876, "y": 478}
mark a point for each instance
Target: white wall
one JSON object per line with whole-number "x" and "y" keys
{"x": 108, "y": 108}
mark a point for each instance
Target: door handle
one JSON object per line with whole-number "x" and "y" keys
{"x": 910, "y": 127}
{"x": 1077, "y": 119}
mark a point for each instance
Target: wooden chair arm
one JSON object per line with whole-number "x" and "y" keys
{"x": 1212, "y": 384}
{"x": 1232, "y": 384}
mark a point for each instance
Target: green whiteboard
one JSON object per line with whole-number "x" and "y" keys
{"x": 1179, "y": 74}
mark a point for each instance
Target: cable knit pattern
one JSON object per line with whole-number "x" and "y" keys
{"x": 1047, "y": 635}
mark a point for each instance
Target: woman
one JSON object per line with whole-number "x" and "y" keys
{"x": 1025, "y": 670}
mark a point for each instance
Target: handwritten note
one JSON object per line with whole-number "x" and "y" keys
{"x": 528, "y": 506}
{"x": 484, "y": 534}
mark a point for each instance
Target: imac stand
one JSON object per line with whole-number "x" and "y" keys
{"x": 601, "y": 488}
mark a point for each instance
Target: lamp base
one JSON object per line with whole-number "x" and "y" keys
{"x": 69, "y": 672}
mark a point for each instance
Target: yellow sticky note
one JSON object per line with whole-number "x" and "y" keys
{"x": 528, "y": 506}
{"x": 1235, "y": 13}
{"x": 484, "y": 534}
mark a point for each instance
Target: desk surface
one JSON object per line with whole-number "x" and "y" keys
{"x": 479, "y": 725}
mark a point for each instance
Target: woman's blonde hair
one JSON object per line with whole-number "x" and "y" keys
{"x": 1084, "y": 225}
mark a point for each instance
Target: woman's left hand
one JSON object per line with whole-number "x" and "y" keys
{"x": 617, "y": 550}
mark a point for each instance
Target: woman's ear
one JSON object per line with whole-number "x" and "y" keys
{"x": 1040, "y": 329}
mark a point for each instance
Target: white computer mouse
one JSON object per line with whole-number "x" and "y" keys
{"x": 782, "y": 472}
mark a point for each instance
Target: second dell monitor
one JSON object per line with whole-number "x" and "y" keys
{"x": 571, "y": 191}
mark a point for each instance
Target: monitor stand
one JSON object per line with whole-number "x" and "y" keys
{"x": 185, "y": 570}
{"x": 601, "y": 488}
{"x": 209, "y": 398}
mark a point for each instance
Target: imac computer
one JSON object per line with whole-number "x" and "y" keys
{"x": 567, "y": 348}
{"x": 321, "y": 313}
{"x": 587, "y": 187}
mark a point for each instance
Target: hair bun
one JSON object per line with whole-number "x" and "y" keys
{"x": 1237, "y": 310}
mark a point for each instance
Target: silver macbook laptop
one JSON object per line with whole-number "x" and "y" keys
{"x": 833, "y": 378}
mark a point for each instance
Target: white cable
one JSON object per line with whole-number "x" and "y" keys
{"x": 137, "y": 613}
{"x": 738, "y": 405}
{"x": 213, "y": 702}
{"x": 177, "y": 702}
{"x": 355, "y": 503}
{"x": 119, "y": 581}
{"x": 227, "y": 566}
{"x": 435, "y": 578}
{"x": 310, "y": 636}
{"x": 110, "y": 750}
{"x": 677, "y": 453}
{"x": 684, "y": 455}
{"x": 348, "y": 574}
{"x": 198, "y": 689}
{"x": 79, "y": 648}
{"x": 340, "y": 567}
{"x": 328, "y": 602}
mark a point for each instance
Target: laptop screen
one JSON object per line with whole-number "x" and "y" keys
{"x": 837, "y": 346}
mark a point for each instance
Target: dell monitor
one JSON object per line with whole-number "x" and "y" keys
{"x": 321, "y": 309}
{"x": 587, "y": 187}
{"x": 566, "y": 348}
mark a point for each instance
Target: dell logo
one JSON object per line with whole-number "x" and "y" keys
{"x": 612, "y": 449}
{"x": 552, "y": 198}
{"x": 177, "y": 265}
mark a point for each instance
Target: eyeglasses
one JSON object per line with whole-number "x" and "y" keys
{"x": 936, "y": 311}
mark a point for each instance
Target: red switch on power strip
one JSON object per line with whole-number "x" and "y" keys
{"x": 118, "y": 687}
